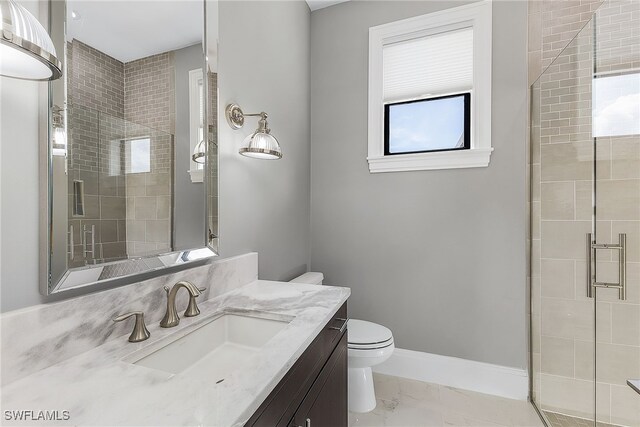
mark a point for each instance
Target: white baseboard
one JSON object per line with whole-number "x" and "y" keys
{"x": 465, "y": 374}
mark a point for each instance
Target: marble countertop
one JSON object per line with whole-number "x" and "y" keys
{"x": 99, "y": 388}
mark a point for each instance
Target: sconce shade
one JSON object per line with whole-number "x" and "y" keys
{"x": 261, "y": 145}
{"x": 199, "y": 153}
{"x": 59, "y": 146}
{"x": 59, "y": 140}
{"x": 26, "y": 50}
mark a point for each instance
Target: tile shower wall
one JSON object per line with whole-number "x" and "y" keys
{"x": 213, "y": 156}
{"x": 96, "y": 109}
{"x": 552, "y": 25}
{"x": 562, "y": 156}
{"x": 149, "y": 86}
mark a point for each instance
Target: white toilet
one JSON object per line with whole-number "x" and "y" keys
{"x": 369, "y": 344}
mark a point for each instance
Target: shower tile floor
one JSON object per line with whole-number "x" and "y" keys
{"x": 409, "y": 403}
{"x": 560, "y": 420}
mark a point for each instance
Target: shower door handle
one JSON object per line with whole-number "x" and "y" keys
{"x": 592, "y": 282}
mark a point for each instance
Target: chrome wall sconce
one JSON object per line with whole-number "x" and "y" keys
{"x": 199, "y": 153}
{"x": 260, "y": 144}
{"x": 200, "y": 150}
{"x": 26, "y": 49}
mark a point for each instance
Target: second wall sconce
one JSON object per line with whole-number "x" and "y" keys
{"x": 260, "y": 144}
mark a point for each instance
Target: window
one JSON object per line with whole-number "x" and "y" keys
{"x": 616, "y": 105}
{"x": 430, "y": 91}
{"x": 427, "y": 125}
{"x": 138, "y": 155}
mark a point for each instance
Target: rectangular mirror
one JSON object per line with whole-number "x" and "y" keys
{"x": 131, "y": 185}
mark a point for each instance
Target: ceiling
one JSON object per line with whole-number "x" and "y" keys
{"x": 321, "y": 4}
{"x": 115, "y": 27}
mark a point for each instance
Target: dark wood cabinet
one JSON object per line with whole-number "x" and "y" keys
{"x": 314, "y": 391}
{"x": 326, "y": 405}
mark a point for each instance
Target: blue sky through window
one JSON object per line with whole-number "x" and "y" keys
{"x": 616, "y": 105}
{"x": 436, "y": 124}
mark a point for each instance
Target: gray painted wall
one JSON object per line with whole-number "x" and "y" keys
{"x": 265, "y": 204}
{"x": 19, "y": 212}
{"x": 189, "y": 197}
{"x": 437, "y": 256}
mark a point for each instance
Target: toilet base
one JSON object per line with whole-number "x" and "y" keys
{"x": 362, "y": 396}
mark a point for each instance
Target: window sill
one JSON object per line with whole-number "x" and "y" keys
{"x": 197, "y": 175}
{"x": 473, "y": 158}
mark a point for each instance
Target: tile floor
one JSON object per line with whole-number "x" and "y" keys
{"x": 559, "y": 420}
{"x": 409, "y": 403}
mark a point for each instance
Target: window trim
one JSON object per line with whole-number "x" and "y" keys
{"x": 476, "y": 15}
{"x": 467, "y": 122}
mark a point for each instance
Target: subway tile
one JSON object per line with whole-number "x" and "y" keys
{"x": 567, "y": 318}
{"x": 626, "y": 324}
{"x": 566, "y": 162}
{"x": 564, "y": 239}
{"x": 617, "y": 363}
{"x": 112, "y": 207}
{"x": 158, "y": 231}
{"x": 585, "y": 356}
{"x": 557, "y": 200}
{"x": 567, "y": 395}
{"x": 625, "y": 409}
{"x": 108, "y": 231}
{"x": 146, "y": 207}
{"x": 632, "y": 230}
{"x": 136, "y": 230}
{"x": 618, "y": 199}
{"x": 557, "y": 356}
{"x": 163, "y": 207}
{"x": 557, "y": 278}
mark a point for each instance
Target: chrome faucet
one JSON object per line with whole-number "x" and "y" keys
{"x": 171, "y": 317}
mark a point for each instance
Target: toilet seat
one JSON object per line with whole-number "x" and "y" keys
{"x": 365, "y": 335}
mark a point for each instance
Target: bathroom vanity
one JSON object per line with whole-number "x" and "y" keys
{"x": 297, "y": 372}
{"x": 314, "y": 391}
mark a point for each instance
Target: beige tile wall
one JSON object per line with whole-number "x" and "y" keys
{"x": 562, "y": 159}
{"x": 95, "y": 114}
{"x": 149, "y": 87}
{"x": 213, "y": 157}
{"x": 552, "y": 26}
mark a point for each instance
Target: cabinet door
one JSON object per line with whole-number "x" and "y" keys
{"x": 326, "y": 404}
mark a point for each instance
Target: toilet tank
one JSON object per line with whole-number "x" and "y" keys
{"x": 312, "y": 278}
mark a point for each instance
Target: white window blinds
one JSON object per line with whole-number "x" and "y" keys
{"x": 428, "y": 66}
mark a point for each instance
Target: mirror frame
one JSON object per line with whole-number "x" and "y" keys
{"x": 184, "y": 259}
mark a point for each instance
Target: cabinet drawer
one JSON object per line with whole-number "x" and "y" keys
{"x": 280, "y": 406}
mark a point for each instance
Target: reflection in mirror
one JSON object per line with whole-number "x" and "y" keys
{"x": 212, "y": 113}
{"x": 128, "y": 190}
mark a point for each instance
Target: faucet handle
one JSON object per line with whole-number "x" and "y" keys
{"x": 140, "y": 331}
{"x": 192, "y": 309}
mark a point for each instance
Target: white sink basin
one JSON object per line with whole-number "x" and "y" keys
{"x": 215, "y": 347}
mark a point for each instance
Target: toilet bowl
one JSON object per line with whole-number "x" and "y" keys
{"x": 369, "y": 344}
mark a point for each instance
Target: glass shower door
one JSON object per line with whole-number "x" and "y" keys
{"x": 585, "y": 225}
{"x": 615, "y": 253}
{"x": 562, "y": 165}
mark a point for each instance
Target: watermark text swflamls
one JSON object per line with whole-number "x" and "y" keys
{"x": 36, "y": 415}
